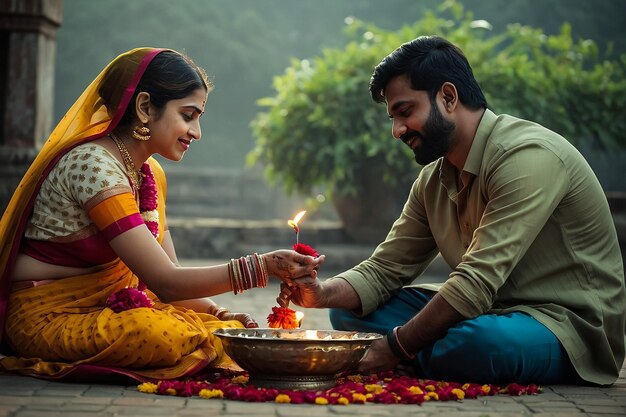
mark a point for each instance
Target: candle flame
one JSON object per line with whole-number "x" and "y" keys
{"x": 294, "y": 223}
{"x": 299, "y": 317}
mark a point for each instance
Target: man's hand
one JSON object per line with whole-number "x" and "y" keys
{"x": 305, "y": 292}
{"x": 310, "y": 292}
{"x": 378, "y": 357}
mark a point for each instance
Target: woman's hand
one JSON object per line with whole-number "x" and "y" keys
{"x": 245, "y": 319}
{"x": 288, "y": 264}
{"x": 225, "y": 315}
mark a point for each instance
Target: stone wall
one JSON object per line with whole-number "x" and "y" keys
{"x": 15, "y": 162}
{"x": 27, "y": 59}
{"x": 232, "y": 194}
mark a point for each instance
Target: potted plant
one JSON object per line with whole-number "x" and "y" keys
{"x": 322, "y": 129}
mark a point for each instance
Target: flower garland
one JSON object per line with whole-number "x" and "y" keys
{"x": 383, "y": 388}
{"x": 284, "y": 317}
{"x": 129, "y": 298}
{"x": 148, "y": 200}
{"x": 144, "y": 185}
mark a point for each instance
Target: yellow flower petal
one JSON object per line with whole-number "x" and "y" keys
{"x": 415, "y": 390}
{"x": 241, "y": 379}
{"x": 460, "y": 394}
{"x": 147, "y": 387}
{"x": 211, "y": 393}
{"x": 355, "y": 378}
{"x": 359, "y": 398}
{"x": 375, "y": 388}
{"x": 282, "y": 398}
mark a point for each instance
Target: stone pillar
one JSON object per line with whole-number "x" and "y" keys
{"x": 27, "y": 57}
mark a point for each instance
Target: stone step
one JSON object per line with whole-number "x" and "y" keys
{"x": 223, "y": 193}
{"x": 225, "y": 238}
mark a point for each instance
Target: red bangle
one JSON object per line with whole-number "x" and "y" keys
{"x": 396, "y": 347}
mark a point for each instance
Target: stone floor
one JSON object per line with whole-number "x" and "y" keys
{"x": 29, "y": 397}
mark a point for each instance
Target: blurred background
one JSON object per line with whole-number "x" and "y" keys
{"x": 290, "y": 117}
{"x": 243, "y": 44}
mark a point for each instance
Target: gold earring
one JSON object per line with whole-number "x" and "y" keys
{"x": 141, "y": 133}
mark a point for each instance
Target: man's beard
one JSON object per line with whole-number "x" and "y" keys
{"x": 436, "y": 139}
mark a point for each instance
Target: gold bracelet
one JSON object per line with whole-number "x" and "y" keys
{"x": 263, "y": 266}
{"x": 233, "y": 269}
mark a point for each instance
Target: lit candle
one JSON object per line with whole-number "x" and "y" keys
{"x": 299, "y": 317}
{"x": 294, "y": 224}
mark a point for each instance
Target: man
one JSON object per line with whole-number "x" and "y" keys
{"x": 536, "y": 294}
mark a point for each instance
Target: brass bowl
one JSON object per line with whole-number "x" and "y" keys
{"x": 295, "y": 359}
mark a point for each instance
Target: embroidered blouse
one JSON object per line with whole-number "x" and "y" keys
{"x": 85, "y": 201}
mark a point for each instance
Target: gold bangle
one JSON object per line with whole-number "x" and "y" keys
{"x": 233, "y": 268}
{"x": 263, "y": 269}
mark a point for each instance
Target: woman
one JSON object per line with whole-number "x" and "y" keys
{"x": 90, "y": 280}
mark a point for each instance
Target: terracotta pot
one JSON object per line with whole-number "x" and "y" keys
{"x": 368, "y": 215}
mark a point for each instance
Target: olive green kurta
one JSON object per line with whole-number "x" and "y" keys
{"x": 530, "y": 230}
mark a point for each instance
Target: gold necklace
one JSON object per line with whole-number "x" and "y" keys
{"x": 128, "y": 162}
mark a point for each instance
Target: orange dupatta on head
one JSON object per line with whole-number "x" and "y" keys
{"x": 86, "y": 120}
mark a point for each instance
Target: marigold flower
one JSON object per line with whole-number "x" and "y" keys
{"x": 355, "y": 378}
{"x": 432, "y": 396}
{"x": 381, "y": 388}
{"x": 240, "y": 379}
{"x": 305, "y": 250}
{"x": 282, "y": 398}
{"x": 374, "y": 388}
{"x": 533, "y": 389}
{"x": 415, "y": 390}
{"x": 282, "y": 318}
{"x": 460, "y": 394}
{"x": 360, "y": 398}
{"x": 514, "y": 389}
{"x": 211, "y": 393}
{"x": 147, "y": 387}
{"x": 127, "y": 299}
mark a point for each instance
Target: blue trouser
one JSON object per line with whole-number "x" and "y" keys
{"x": 496, "y": 349}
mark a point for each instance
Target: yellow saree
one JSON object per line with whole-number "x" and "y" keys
{"x": 67, "y": 319}
{"x": 63, "y": 328}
